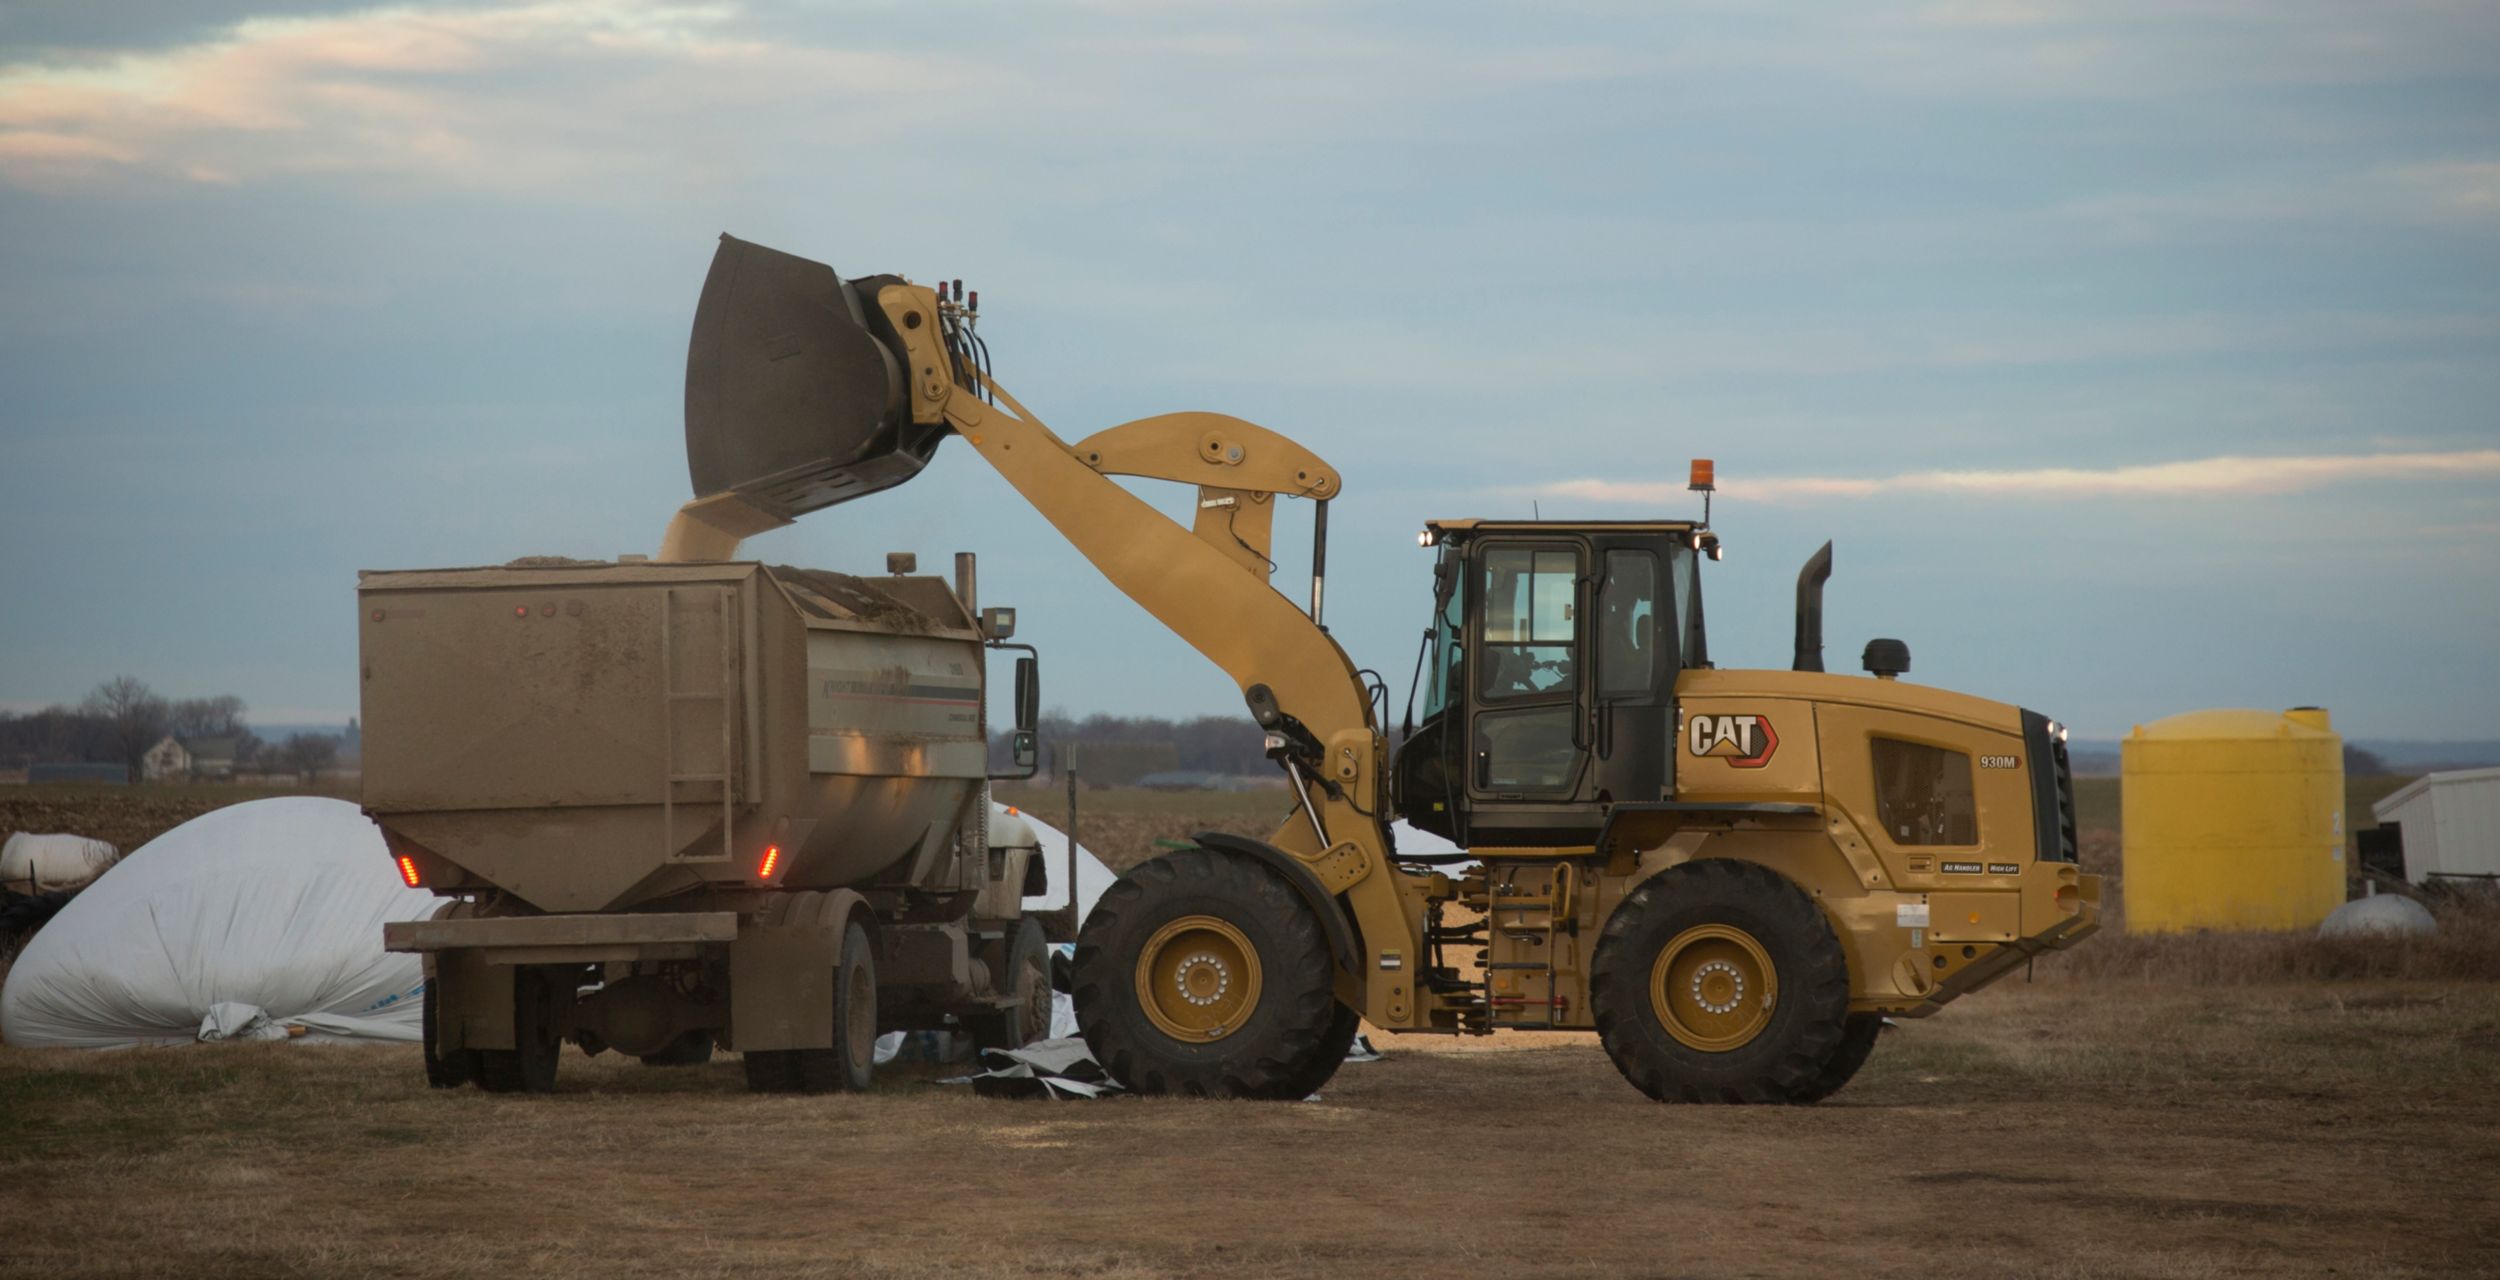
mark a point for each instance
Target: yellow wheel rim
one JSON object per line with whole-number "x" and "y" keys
{"x": 1713, "y": 987}
{"x": 1198, "y": 979}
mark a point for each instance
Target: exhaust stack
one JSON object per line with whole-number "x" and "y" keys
{"x": 1810, "y": 582}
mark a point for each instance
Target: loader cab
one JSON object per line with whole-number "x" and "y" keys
{"x": 1547, "y": 683}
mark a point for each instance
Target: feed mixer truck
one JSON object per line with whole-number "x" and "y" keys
{"x": 1731, "y": 876}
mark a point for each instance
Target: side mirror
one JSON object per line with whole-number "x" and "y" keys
{"x": 1024, "y": 742}
{"x": 998, "y": 624}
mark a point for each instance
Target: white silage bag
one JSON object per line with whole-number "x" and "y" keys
{"x": 257, "y": 921}
{"x": 34, "y": 863}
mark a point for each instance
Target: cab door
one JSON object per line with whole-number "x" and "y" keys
{"x": 1528, "y": 727}
{"x": 1634, "y": 621}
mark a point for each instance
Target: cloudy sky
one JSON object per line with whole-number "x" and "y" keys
{"x": 2138, "y": 357}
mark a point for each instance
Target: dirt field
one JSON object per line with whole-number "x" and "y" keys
{"x": 2171, "y": 1108}
{"x": 2064, "y": 1130}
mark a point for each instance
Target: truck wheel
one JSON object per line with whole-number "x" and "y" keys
{"x": 443, "y": 1070}
{"x": 1204, "y": 973}
{"x": 1720, "y": 981}
{"x": 530, "y": 1066}
{"x": 852, "y": 1061}
{"x": 1856, "y": 1042}
{"x": 1027, "y": 977}
{"x": 692, "y": 1049}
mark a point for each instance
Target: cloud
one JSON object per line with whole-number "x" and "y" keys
{"x": 2202, "y": 477}
{"x": 532, "y": 94}
{"x": 540, "y": 95}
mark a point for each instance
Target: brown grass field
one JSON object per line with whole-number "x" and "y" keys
{"x": 2168, "y": 1108}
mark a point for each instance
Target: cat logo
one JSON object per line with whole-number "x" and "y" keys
{"x": 1745, "y": 742}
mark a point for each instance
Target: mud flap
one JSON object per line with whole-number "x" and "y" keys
{"x": 781, "y": 985}
{"x": 476, "y": 1002}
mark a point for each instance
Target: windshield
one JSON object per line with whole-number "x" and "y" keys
{"x": 1441, "y": 682}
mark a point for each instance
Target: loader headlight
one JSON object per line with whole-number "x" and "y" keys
{"x": 2057, "y": 733}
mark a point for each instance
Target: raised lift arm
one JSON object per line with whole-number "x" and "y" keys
{"x": 1208, "y": 584}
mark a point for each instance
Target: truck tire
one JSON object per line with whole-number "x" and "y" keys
{"x": 1202, "y": 972}
{"x": 1026, "y": 975}
{"x": 530, "y": 1066}
{"x": 444, "y": 1070}
{"x": 692, "y": 1049}
{"x": 1720, "y": 981}
{"x": 851, "y": 1062}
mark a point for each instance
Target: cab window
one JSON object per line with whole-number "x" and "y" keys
{"x": 1627, "y": 626}
{"x": 1528, "y": 598}
{"x": 1924, "y": 795}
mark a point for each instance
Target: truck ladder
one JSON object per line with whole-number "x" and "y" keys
{"x": 671, "y": 698}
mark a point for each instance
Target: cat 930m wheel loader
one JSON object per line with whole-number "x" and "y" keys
{"x": 1731, "y": 876}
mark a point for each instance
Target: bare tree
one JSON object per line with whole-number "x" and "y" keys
{"x": 307, "y": 754}
{"x": 218, "y": 717}
{"x": 134, "y": 717}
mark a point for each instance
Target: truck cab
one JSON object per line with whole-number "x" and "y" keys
{"x": 1548, "y": 684}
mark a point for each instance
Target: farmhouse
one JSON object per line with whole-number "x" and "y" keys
{"x": 165, "y": 761}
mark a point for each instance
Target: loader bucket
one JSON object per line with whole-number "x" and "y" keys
{"x": 794, "y": 393}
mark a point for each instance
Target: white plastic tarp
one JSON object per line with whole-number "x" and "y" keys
{"x": 256, "y": 921}
{"x": 1092, "y": 877}
{"x": 32, "y": 863}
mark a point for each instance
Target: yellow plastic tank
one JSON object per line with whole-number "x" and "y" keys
{"x": 2233, "y": 819}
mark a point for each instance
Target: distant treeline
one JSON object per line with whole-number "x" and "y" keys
{"x": 120, "y": 719}
{"x": 1115, "y": 750}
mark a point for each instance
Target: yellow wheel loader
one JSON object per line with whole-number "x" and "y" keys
{"x": 1731, "y": 876}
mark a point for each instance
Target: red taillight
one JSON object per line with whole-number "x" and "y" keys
{"x": 772, "y": 862}
{"x": 408, "y": 871}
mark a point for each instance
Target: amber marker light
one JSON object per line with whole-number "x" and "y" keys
{"x": 1704, "y": 476}
{"x": 408, "y": 871}
{"x": 772, "y": 862}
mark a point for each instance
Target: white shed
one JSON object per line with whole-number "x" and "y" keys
{"x": 2450, "y": 823}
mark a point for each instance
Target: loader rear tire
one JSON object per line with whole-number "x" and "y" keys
{"x": 1202, "y": 972}
{"x": 851, "y": 1063}
{"x": 538, "y": 1039}
{"x": 1719, "y": 980}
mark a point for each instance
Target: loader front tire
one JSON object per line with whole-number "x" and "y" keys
{"x": 1719, "y": 980}
{"x": 1202, "y": 972}
{"x": 1857, "y": 1041}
